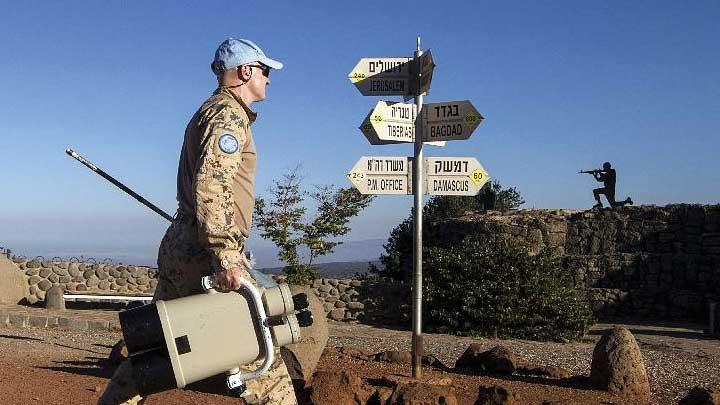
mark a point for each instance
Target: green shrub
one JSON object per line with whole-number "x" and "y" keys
{"x": 494, "y": 287}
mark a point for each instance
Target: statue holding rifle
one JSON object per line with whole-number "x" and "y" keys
{"x": 607, "y": 176}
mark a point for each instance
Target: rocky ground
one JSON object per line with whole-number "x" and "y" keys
{"x": 57, "y": 366}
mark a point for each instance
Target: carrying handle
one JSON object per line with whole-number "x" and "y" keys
{"x": 237, "y": 379}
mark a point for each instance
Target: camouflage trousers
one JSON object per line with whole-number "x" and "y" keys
{"x": 181, "y": 265}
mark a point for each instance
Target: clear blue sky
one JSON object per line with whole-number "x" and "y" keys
{"x": 564, "y": 86}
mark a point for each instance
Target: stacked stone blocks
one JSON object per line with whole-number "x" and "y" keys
{"x": 85, "y": 277}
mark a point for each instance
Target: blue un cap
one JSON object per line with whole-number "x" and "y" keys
{"x": 236, "y": 52}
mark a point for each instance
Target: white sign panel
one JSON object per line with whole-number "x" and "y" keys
{"x": 382, "y": 175}
{"x": 391, "y": 123}
{"x": 382, "y": 76}
{"x": 454, "y": 176}
{"x": 450, "y": 120}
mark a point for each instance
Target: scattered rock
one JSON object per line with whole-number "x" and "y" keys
{"x": 432, "y": 361}
{"x": 498, "y": 360}
{"x": 545, "y": 371}
{"x": 394, "y": 356}
{"x": 45, "y": 272}
{"x": 340, "y": 304}
{"x": 701, "y": 396}
{"x": 88, "y": 273}
{"x": 339, "y": 388}
{"x": 53, "y": 278}
{"x": 417, "y": 393}
{"x": 54, "y": 299}
{"x": 355, "y": 352}
{"x": 495, "y": 395}
{"x": 32, "y": 272}
{"x": 618, "y": 366}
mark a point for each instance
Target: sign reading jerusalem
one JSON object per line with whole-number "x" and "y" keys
{"x": 382, "y": 76}
{"x": 454, "y": 176}
{"x": 382, "y": 175}
{"x": 449, "y": 121}
{"x": 393, "y": 76}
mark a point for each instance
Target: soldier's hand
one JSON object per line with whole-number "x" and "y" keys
{"x": 229, "y": 280}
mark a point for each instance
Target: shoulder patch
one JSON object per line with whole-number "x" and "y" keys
{"x": 228, "y": 143}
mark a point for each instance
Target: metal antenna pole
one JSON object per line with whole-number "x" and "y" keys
{"x": 417, "y": 338}
{"x": 119, "y": 185}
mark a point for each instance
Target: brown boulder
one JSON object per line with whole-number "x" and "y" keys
{"x": 618, "y": 366}
{"x": 417, "y": 393}
{"x": 498, "y": 360}
{"x": 339, "y": 388}
{"x": 355, "y": 352}
{"x": 55, "y": 299}
{"x": 302, "y": 358}
{"x": 14, "y": 285}
{"x": 701, "y": 396}
{"x": 545, "y": 371}
{"x": 495, "y": 395}
{"x": 394, "y": 356}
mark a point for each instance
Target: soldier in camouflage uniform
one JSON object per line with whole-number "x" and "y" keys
{"x": 216, "y": 200}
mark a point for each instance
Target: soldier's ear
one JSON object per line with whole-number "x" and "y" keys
{"x": 244, "y": 73}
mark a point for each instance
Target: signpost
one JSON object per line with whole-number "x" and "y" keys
{"x": 392, "y": 123}
{"x": 450, "y": 121}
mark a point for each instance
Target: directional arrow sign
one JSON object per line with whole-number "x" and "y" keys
{"x": 454, "y": 176}
{"x": 394, "y": 121}
{"x": 448, "y": 121}
{"x": 396, "y": 76}
{"x": 425, "y": 65}
{"x": 391, "y": 123}
{"x": 382, "y": 76}
{"x": 382, "y": 175}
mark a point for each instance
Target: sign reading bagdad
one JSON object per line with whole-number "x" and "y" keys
{"x": 393, "y": 76}
{"x": 449, "y": 120}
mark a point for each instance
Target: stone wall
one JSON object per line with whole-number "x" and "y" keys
{"x": 375, "y": 301}
{"x": 121, "y": 279}
{"x": 647, "y": 261}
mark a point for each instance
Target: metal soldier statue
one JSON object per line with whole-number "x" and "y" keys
{"x": 216, "y": 198}
{"x": 607, "y": 176}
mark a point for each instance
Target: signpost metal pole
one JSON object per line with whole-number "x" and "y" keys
{"x": 417, "y": 338}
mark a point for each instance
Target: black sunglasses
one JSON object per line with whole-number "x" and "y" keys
{"x": 265, "y": 69}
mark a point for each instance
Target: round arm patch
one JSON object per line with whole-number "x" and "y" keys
{"x": 228, "y": 143}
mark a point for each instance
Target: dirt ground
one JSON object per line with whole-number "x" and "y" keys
{"x": 56, "y": 366}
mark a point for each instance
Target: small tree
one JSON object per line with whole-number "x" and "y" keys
{"x": 281, "y": 219}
